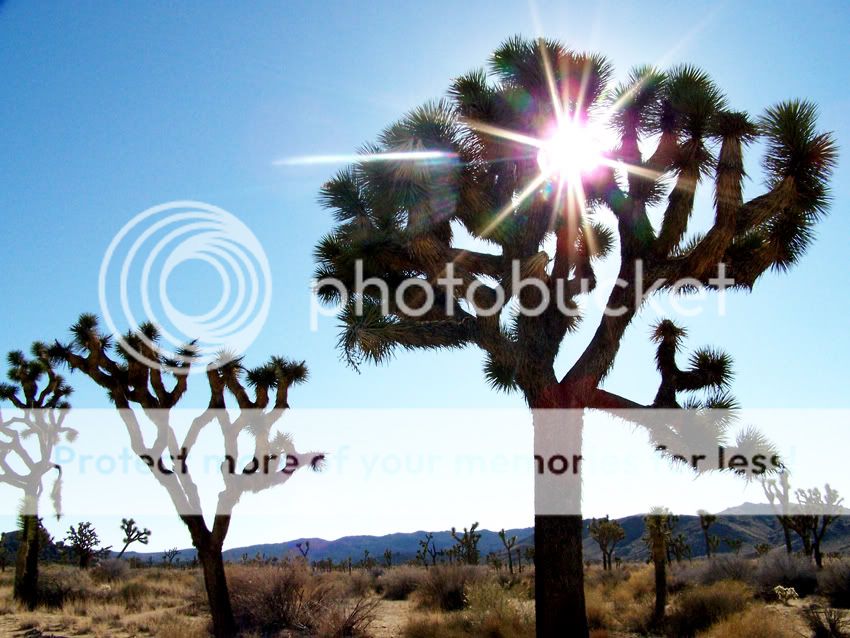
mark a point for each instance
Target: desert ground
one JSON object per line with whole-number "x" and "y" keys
{"x": 717, "y": 598}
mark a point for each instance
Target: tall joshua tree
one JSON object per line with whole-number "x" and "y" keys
{"x": 40, "y": 396}
{"x": 506, "y": 158}
{"x": 118, "y": 369}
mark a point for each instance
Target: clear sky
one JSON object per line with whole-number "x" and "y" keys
{"x": 108, "y": 109}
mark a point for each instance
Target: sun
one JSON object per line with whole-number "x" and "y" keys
{"x": 571, "y": 151}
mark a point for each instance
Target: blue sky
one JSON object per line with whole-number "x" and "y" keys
{"x": 110, "y": 108}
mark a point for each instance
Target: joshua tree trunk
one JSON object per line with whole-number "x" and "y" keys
{"x": 787, "y": 533}
{"x": 209, "y": 546}
{"x": 26, "y": 563}
{"x": 660, "y": 587}
{"x": 559, "y": 595}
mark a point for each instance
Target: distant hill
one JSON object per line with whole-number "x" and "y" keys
{"x": 752, "y": 530}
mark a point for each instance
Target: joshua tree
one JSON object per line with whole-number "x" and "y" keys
{"x": 132, "y": 534}
{"x": 819, "y": 511}
{"x": 734, "y": 544}
{"x": 169, "y": 555}
{"x": 607, "y": 534}
{"x": 141, "y": 381}
{"x": 467, "y": 544}
{"x": 680, "y": 548}
{"x": 388, "y": 557}
{"x": 303, "y": 548}
{"x": 761, "y": 548}
{"x": 427, "y": 548}
{"x": 658, "y": 536}
{"x": 509, "y": 544}
{"x": 84, "y": 542}
{"x": 706, "y": 520}
{"x": 39, "y": 394}
{"x": 507, "y": 158}
{"x": 778, "y": 492}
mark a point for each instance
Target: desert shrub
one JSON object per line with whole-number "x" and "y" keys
{"x": 756, "y": 622}
{"x": 636, "y": 618}
{"x": 825, "y": 623}
{"x": 347, "y": 620}
{"x": 444, "y": 587}
{"x": 725, "y": 568}
{"x": 57, "y": 587}
{"x": 780, "y": 568}
{"x": 132, "y": 593}
{"x": 492, "y": 613}
{"x": 110, "y": 570}
{"x": 398, "y": 583}
{"x": 834, "y": 583}
{"x": 599, "y": 612}
{"x": 359, "y": 584}
{"x": 270, "y": 599}
{"x": 700, "y": 607}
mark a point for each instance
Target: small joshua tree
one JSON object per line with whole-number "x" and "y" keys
{"x": 706, "y": 520}
{"x": 680, "y": 548}
{"x": 509, "y": 544}
{"x": 40, "y": 396}
{"x": 734, "y": 544}
{"x": 132, "y": 534}
{"x": 303, "y": 548}
{"x": 84, "y": 542}
{"x": 819, "y": 511}
{"x": 467, "y": 544}
{"x": 607, "y": 534}
{"x": 388, "y": 557}
{"x": 427, "y": 550}
{"x": 657, "y": 538}
{"x": 169, "y": 556}
{"x": 135, "y": 373}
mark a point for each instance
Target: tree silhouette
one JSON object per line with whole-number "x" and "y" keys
{"x": 706, "y": 520}
{"x": 509, "y": 544}
{"x": 132, "y": 534}
{"x": 130, "y": 382}
{"x": 84, "y": 542}
{"x": 607, "y": 534}
{"x": 818, "y": 512}
{"x": 398, "y": 219}
{"x": 40, "y": 396}
{"x": 466, "y": 544}
{"x": 659, "y": 528}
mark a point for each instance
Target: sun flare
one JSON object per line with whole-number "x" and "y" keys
{"x": 573, "y": 150}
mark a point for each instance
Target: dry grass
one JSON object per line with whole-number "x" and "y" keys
{"x": 756, "y": 622}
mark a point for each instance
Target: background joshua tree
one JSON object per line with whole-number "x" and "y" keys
{"x": 659, "y": 527}
{"x": 607, "y": 534}
{"x": 466, "y": 544}
{"x": 509, "y": 544}
{"x": 84, "y": 542}
{"x": 40, "y": 396}
{"x": 734, "y": 544}
{"x": 388, "y": 557}
{"x": 303, "y": 548}
{"x": 169, "y": 555}
{"x": 817, "y": 512}
{"x": 706, "y": 520}
{"x": 680, "y": 548}
{"x": 427, "y": 549}
{"x": 401, "y": 218}
{"x": 130, "y": 382}
{"x": 777, "y": 489}
{"x": 132, "y": 534}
